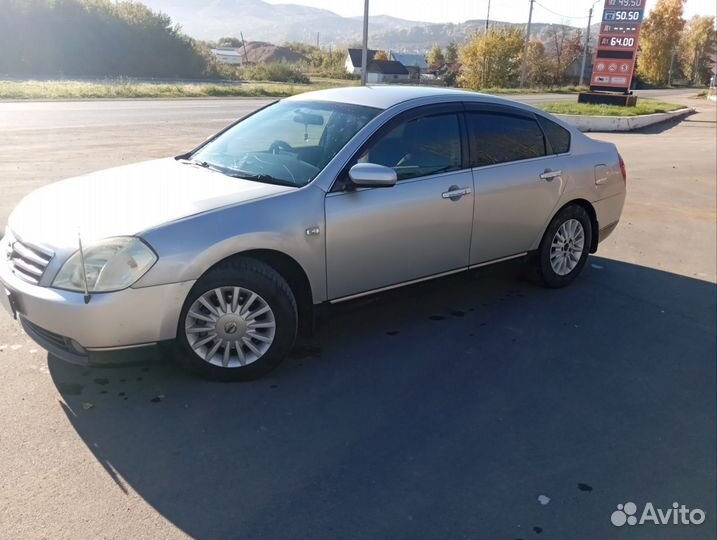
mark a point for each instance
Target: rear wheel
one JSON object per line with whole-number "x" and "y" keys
{"x": 565, "y": 246}
{"x": 238, "y": 322}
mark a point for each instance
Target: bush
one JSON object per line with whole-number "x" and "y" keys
{"x": 275, "y": 72}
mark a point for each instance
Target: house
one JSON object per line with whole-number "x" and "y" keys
{"x": 228, "y": 55}
{"x": 386, "y": 71}
{"x": 572, "y": 70}
{"x": 415, "y": 63}
{"x": 353, "y": 60}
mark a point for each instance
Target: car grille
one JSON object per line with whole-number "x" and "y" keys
{"x": 27, "y": 262}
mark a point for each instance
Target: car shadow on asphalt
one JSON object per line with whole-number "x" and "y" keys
{"x": 441, "y": 410}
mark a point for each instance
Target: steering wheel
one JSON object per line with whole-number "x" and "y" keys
{"x": 280, "y": 146}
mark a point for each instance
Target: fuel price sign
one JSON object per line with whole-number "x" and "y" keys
{"x": 622, "y": 15}
{"x": 617, "y": 42}
{"x": 617, "y": 45}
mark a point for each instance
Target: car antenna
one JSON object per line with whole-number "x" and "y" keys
{"x": 84, "y": 270}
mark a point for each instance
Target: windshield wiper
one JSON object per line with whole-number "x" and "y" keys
{"x": 242, "y": 175}
{"x": 265, "y": 178}
{"x": 203, "y": 164}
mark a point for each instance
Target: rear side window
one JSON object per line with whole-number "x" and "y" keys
{"x": 499, "y": 138}
{"x": 558, "y": 137}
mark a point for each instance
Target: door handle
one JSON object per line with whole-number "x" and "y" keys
{"x": 549, "y": 175}
{"x": 454, "y": 193}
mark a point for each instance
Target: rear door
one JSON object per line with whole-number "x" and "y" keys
{"x": 517, "y": 177}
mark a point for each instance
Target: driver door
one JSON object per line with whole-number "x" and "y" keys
{"x": 419, "y": 228}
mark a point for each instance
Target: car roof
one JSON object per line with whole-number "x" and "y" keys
{"x": 383, "y": 97}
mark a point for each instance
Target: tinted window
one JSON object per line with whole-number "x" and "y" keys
{"x": 418, "y": 147}
{"x": 558, "y": 137}
{"x": 498, "y": 138}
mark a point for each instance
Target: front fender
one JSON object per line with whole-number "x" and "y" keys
{"x": 187, "y": 248}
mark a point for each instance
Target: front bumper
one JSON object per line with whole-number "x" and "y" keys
{"x": 63, "y": 324}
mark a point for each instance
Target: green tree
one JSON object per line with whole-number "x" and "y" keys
{"x": 435, "y": 57}
{"x": 451, "y": 55}
{"x": 492, "y": 59}
{"x": 660, "y": 38}
{"x": 95, "y": 38}
{"x": 697, "y": 42}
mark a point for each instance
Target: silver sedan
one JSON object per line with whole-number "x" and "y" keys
{"x": 227, "y": 252}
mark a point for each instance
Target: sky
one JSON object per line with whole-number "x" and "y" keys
{"x": 574, "y": 12}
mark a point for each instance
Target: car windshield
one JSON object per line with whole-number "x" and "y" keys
{"x": 287, "y": 143}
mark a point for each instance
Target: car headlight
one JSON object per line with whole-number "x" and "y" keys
{"x": 111, "y": 265}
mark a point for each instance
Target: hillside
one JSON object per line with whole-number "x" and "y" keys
{"x": 280, "y": 23}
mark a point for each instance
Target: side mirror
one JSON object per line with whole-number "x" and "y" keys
{"x": 372, "y": 175}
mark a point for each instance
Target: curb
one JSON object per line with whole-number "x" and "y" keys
{"x": 621, "y": 123}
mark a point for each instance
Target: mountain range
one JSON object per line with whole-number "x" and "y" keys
{"x": 280, "y": 23}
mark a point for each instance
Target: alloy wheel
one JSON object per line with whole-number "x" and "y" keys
{"x": 230, "y": 327}
{"x": 567, "y": 247}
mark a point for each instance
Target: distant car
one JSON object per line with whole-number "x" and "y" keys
{"x": 228, "y": 250}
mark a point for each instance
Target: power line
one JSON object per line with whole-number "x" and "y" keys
{"x": 558, "y": 14}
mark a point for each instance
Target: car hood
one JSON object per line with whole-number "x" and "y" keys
{"x": 127, "y": 201}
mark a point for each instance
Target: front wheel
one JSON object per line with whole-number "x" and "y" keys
{"x": 565, "y": 246}
{"x": 238, "y": 322}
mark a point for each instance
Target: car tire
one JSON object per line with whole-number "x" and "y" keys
{"x": 565, "y": 247}
{"x": 244, "y": 326}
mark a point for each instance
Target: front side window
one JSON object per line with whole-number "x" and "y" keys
{"x": 288, "y": 143}
{"x": 500, "y": 138}
{"x": 420, "y": 146}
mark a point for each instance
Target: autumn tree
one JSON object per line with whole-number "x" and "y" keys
{"x": 451, "y": 54}
{"x": 492, "y": 59}
{"x": 380, "y": 55}
{"x": 435, "y": 57}
{"x": 538, "y": 69}
{"x": 697, "y": 42}
{"x": 660, "y": 38}
{"x": 563, "y": 47}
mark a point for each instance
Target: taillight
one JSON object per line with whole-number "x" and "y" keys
{"x": 622, "y": 168}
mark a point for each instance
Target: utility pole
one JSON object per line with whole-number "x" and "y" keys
{"x": 587, "y": 44}
{"x": 246, "y": 57}
{"x": 485, "y": 53}
{"x": 525, "y": 49}
{"x": 672, "y": 63}
{"x": 317, "y": 40}
{"x": 364, "y": 46}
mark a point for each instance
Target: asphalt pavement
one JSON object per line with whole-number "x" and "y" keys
{"x": 475, "y": 406}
